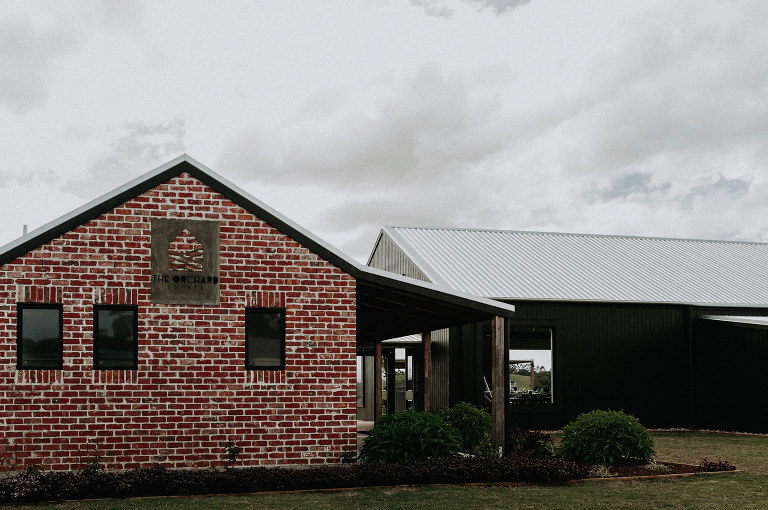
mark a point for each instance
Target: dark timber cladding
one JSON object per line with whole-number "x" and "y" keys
{"x": 612, "y": 356}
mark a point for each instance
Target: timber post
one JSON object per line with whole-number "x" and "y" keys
{"x": 377, "y": 383}
{"x": 498, "y": 404}
{"x": 426, "y": 339}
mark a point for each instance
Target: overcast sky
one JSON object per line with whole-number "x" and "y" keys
{"x": 614, "y": 117}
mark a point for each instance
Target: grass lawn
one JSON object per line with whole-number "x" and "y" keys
{"x": 744, "y": 490}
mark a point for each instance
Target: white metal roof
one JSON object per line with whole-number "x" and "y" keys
{"x": 504, "y": 264}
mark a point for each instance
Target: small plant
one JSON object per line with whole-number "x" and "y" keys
{"x": 409, "y": 437}
{"x": 531, "y": 443}
{"x": 485, "y": 448}
{"x": 473, "y": 425}
{"x": 601, "y": 471}
{"x": 90, "y": 464}
{"x": 33, "y": 469}
{"x": 349, "y": 457}
{"x": 11, "y": 460}
{"x": 600, "y": 437}
{"x": 232, "y": 451}
{"x": 653, "y": 465}
{"x": 718, "y": 465}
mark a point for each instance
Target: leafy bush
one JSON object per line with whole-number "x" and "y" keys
{"x": 600, "y": 437}
{"x": 158, "y": 481}
{"x": 530, "y": 443}
{"x": 409, "y": 437}
{"x": 473, "y": 424}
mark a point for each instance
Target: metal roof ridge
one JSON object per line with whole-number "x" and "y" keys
{"x": 577, "y": 234}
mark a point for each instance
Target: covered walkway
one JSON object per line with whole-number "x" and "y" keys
{"x": 391, "y": 306}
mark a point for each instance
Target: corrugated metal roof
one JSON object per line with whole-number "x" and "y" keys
{"x": 506, "y": 264}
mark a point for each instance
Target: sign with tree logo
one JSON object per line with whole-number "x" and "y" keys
{"x": 185, "y": 262}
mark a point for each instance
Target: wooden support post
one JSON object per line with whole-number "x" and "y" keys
{"x": 498, "y": 404}
{"x": 377, "y": 383}
{"x": 426, "y": 339}
{"x": 532, "y": 386}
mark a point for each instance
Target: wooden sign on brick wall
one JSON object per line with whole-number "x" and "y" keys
{"x": 185, "y": 262}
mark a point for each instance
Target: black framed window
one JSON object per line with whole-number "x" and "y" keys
{"x": 531, "y": 364}
{"x": 115, "y": 337}
{"x": 264, "y": 338}
{"x": 39, "y": 336}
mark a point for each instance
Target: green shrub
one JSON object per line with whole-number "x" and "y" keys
{"x": 410, "y": 437}
{"x": 600, "y": 437}
{"x": 530, "y": 443}
{"x": 473, "y": 424}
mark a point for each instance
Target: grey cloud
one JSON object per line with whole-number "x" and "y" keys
{"x": 435, "y": 8}
{"x": 141, "y": 146}
{"x": 638, "y": 183}
{"x": 444, "y": 9}
{"x": 730, "y": 188}
{"x": 432, "y": 125}
{"x": 25, "y": 178}
{"x": 28, "y": 53}
{"x": 118, "y": 14}
{"x": 622, "y": 154}
{"x": 498, "y": 6}
{"x": 34, "y": 43}
{"x": 692, "y": 84}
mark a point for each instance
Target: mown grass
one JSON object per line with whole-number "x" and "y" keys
{"x": 745, "y": 490}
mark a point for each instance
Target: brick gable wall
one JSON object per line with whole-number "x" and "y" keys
{"x": 191, "y": 392}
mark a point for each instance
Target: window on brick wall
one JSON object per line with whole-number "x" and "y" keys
{"x": 39, "y": 338}
{"x": 115, "y": 338}
{"x": 264, "y": 338}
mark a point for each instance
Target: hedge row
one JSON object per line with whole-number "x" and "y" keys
{"x": 158, "y": 481}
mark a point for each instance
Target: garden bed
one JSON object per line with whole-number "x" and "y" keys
{"x": 666, "y": 468}
{"x": 32, "y": 486}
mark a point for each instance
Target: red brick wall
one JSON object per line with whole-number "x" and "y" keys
{"x": 191, "y": 392}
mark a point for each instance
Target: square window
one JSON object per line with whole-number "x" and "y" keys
{"x": 39, "y": 338}
{"x": 115, "y": 338}
{"x": 265, "y": 338}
